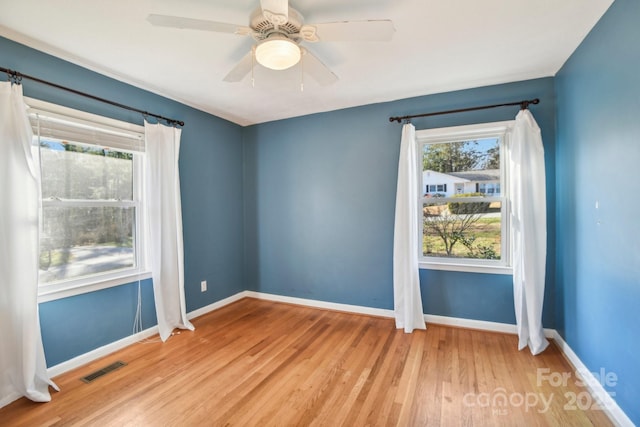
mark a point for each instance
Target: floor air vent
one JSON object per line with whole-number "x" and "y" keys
{"x": 104, "y": 371}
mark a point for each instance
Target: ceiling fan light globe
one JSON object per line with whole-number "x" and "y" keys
{"x": 278, "y": 53}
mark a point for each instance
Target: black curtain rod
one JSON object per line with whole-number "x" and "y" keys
{"x": 16, "y": 77}
{"x": 523, "y": 105}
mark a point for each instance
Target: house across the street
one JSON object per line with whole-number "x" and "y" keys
{"x": 439, "y": 184}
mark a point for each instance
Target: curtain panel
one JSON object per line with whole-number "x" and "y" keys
{"x": 164, "y": 227}
{"x": 407, "y": 299}
{"x": 23, "y": 370}
{"x": 529, "y": 229}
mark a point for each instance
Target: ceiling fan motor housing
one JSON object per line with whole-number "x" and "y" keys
{"x": 264, "y": 28}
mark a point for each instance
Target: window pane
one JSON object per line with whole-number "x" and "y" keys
{"x": 85, "y": 172}
{"x": 462, "y": 230}
{"x": 78, "y": 241}
{"x": 462, "y": 167}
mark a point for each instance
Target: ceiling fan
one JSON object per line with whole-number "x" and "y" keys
{"x": 279, "y": 30}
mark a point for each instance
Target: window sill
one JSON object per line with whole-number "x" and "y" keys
{"x": 90, "y": 284}
{"x": 467, "y": 268}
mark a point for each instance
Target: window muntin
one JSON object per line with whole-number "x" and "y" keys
{"x": 466, "y": 228}
{"x": 92, "y": 209}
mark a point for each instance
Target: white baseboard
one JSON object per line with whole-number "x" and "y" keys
{"x": 99, "y": 352}
{"x": 358, "y": 309}
{"x": 483, "y": 325}
{"x": 216, "y": 305}
{"x": 429, "y": 318}
{"x": 610, "y": 406}
{"x": 381, "y": 312}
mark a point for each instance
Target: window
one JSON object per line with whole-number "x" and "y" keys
{"x": 467, "y": 230}
{"x": 492, "y": 188}
{"x": 437, "y": 188}
{"x": 91, "y": 217}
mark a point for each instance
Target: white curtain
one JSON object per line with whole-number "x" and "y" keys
{"x": 407, "y": 300}
{"x": 23, "y": 371}
{"x": 529, "y": 223}
{"x": 164, "y": 225}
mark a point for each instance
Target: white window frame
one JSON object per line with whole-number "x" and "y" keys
{"x": 500, "y": 130}
{"x": 141, "y": 271}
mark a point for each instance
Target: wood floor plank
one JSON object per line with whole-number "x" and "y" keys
{"x": 259, "y": 363}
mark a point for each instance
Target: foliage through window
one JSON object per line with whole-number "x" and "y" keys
{"x": 464, "y": 221}
{"x": 91, "y": 198}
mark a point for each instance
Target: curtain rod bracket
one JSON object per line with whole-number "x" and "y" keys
{"x": 14, "y": 77}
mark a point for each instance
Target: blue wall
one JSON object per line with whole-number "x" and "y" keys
{"x": 211, "y": 184}
{"x": 320, "y": 198}
{"x": 75, "y": 325}
{"x": 598, "y": 157}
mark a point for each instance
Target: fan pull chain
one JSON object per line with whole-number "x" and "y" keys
{"x": 302, "y": 71}
{"x": 253, "y": 60}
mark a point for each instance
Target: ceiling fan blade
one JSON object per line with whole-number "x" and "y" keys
{"x": 360, "y": 31}
{"x": 276, "y": 11}
{"x": 197, "y": 24}
{"x": 312, "y": 66}
{"x": 241, "y": 69}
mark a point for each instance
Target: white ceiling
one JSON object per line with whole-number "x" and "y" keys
{"x": 439, "y": 45}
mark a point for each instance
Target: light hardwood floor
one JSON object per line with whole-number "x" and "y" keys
{"x": 259, "y": 363}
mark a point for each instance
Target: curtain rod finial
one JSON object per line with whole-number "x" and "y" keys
{"x": 525, "y": 104}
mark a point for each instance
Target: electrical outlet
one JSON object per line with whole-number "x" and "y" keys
{"x": 203, "y": 286}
